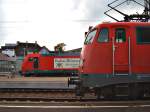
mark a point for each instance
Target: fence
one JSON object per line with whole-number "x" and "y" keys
{"x": 18, "y": 64}
{"x": 7, "y": 68}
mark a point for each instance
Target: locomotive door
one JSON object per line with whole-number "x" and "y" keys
{"x": 35, "y": 63}
{"x": 120, "y": 50}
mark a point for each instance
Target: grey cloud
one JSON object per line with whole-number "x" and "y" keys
{"x": 76, "y": 4}
{"x": 92, "y": 9}
{"x": 95, "y": 8}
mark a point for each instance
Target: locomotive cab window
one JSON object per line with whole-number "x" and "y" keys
{"x": 143, "y": 35}
{"x": 120, "y": 36}
{"x": 103, "y": 35}
{"x": 30, "y": 59}
{"x": 90, "y": 36}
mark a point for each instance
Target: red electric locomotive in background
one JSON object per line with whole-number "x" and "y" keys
{"x": 56, "y": 64}
{"x": 115, "y": 60}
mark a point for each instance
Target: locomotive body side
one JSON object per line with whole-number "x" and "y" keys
{"x": 41, "y": 65}
{"x": 115, "y": 54}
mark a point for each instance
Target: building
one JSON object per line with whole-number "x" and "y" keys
{"x": 20, "y": 49}
{"x": 6, "y": 62}
{"x": 44, "y": 50}
{"x": 9, "y": 49}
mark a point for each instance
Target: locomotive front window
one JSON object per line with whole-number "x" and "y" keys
{"x": 90, "y": 37}
{"x": 120, "y": 35}
{"x": 143, "y": 35}
{"x": 103, "y": 35}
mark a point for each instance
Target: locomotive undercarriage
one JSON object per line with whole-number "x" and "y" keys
{"x": 130, "y": 91}
{"x": 114, "y": 86}
{"x": 50, "y": 73}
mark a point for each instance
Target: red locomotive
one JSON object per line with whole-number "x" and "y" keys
{"x": 58, "y": 64}
{"x": 115, "y": 60}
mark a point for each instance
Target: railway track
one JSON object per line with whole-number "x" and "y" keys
{"x": 45, "y": 89}
{"x": 57, "y": 95}
{"x": 42, "y": 95}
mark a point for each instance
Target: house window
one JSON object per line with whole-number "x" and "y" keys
{"x": 103, "y": 35}
{"x": 120, "y": 35}
{"x": 143, "y": 35}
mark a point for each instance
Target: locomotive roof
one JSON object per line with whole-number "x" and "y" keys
{"x": 62, "y": 54}
{"x": 56, "y": 54}
{"x": 124, "y": 24}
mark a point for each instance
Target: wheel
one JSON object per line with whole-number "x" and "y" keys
{"x": 136, "y": 91}
{"x": 79, "y": 91}
{"x": 98, "y": 93}
{"x": 108, "y": 92}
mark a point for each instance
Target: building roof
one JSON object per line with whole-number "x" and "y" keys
{"x": 7, "y": 47}
{"x": 75, "y": 50}
{"x": 44, "y": 47}
{"x": 44, "y": 50}
{"x": 18, "y": 44}
{"x": 27, "y": 44}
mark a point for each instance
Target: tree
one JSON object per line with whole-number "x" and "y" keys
{"x": 59, "y": 47}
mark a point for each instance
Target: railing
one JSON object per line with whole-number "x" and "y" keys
{"x": 7, "y": 68}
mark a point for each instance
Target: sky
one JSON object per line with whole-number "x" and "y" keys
{"x": 50, "y": 22}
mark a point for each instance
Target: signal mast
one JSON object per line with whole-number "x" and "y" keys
{"x": 144, "y": 17}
